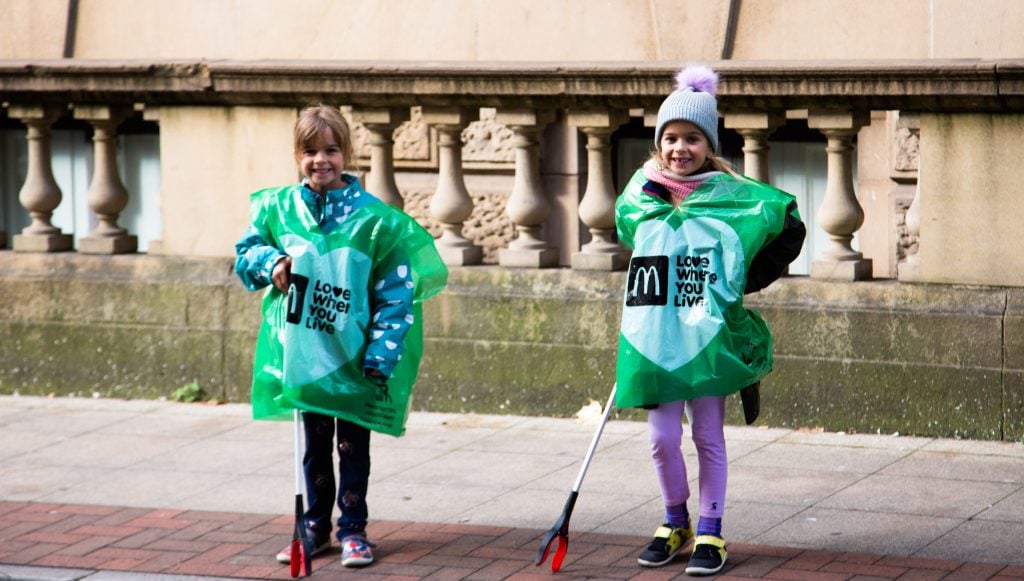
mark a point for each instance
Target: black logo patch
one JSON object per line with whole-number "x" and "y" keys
{"x": 296, "y": 297}
{"x": 647, "y": 282}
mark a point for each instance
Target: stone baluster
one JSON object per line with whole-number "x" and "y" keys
{"x": 40, "y": 194}
{"x": 597, "y": 208}
{"x": 909, "y": 270}
{"x": 840, "y": 214}
{"x": 107, "y": 195}
{"x": 451, "y": 204}
{"x": 527, "y": 206}
{"x": 381, "y": 123}
{"x": 755, "y": 128}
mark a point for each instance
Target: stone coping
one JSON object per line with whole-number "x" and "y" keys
{"x": 962, "y": 85}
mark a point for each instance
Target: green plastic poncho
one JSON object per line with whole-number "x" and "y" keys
{"x": 685, "y": 333}
{"x": 310, "y": 347}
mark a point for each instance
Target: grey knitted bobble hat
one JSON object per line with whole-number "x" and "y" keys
{"x": 693, "y": 101}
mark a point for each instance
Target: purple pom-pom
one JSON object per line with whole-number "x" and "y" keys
{"x": 699, "y": 78}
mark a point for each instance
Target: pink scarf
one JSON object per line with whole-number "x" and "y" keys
{"x": 679, "y": 186}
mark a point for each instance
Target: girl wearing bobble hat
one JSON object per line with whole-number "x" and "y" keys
{"x": 702, "y": 237}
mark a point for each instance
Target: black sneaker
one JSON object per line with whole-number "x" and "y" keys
{"x": 708, "y": 556}
{"x": 665, "y": 546}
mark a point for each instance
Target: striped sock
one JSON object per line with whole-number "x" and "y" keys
{"x": 709, "y": 526}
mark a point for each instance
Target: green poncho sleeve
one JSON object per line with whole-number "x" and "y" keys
{"x": 310, "y": 347}
{"x": 685, "y": 333}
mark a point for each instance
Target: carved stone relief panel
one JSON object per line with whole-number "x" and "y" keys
{"x": 487, "y": 143}
{"x": 487, "y": 140}
{"x": 906, "y": 146}
{"x": 907, "y": 150}
{"x": 360, "y": 137}
{"x": 415, "y": 145}
{"x": 414, "y": 140}
{"x": 488, "y": 226}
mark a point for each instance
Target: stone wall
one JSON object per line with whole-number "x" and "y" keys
{"x": 872, "y": 357}
{"x": 518, "y": 30}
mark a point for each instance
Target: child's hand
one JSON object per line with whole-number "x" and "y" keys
{"x": 282, "y": 274}
{"x": 375, "y": 375}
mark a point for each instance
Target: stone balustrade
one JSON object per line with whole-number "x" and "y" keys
{"x": 532, "y": 149}
{"x": 596, "y": 100}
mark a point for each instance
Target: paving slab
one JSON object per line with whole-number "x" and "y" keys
{"x": 133, "y": 489}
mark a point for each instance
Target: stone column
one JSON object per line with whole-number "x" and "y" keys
{"x": 840, "y": 214}
{"x": 107, "y": 195}
{"x": 597, "y": 208}
{"x": 40, "y": 194}
{"x": 527, "y": 206}
{"x": 381, "y": 123}
{"x": 755, "y": 129}
{"x": 451, "y": 204}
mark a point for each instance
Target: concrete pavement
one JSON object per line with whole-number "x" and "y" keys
{"x": 907, "y": 499}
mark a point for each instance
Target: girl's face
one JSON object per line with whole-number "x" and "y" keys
{"x": 323, "y": 163}
{"x": 683, "y": 148}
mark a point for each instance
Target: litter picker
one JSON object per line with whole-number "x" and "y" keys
{"x": 561, "y": 529}
{"x": 302, "y": 545}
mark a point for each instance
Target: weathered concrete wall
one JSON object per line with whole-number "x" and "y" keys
{"x": 130, "y": 326}
{"x": 211, "y": 159}
{"x": 1013, "y": 366}
{"x": 33, "y": 29}
{"x": 867, "y": 357}
{"x": 408, "y": 30}
{"x": 970, "y": 219}
{"x": 890, "y": 357}
{"x": 520, "y": 30}
{"x": 879, "y": 356}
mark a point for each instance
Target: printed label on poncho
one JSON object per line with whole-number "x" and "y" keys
{"x": 326, "y": 313}
{"x": 674, "y": 302}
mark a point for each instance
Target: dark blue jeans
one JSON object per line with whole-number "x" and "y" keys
{"x": 353, "y": 469}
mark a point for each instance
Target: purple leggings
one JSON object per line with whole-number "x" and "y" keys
{"x": 707, "y": 418}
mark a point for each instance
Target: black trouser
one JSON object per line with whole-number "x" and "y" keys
{"x": 353, "y": 469}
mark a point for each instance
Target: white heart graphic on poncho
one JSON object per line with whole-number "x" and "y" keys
{"x": 326, "y": 311}
{"x": 680, "y": 281}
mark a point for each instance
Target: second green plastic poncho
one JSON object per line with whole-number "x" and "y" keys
{"x": 685, "y": 332}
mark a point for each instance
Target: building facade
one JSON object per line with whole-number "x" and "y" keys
{"x": 132, "y": 133}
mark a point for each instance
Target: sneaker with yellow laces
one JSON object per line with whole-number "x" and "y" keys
{"x": 667, "y": 542}
{"x": 708, "y": 556}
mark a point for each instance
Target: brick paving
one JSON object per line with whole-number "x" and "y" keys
{"x": 238, "y": 545}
